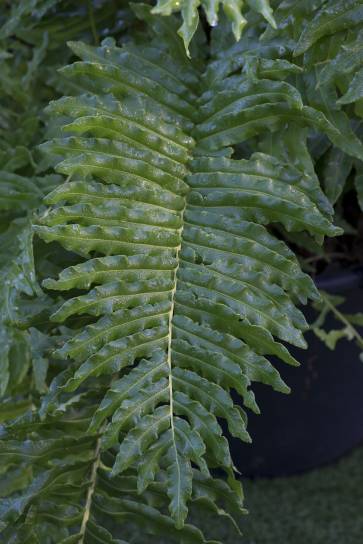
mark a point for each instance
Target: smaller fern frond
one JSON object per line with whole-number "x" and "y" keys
{"x": 232, "y": 9}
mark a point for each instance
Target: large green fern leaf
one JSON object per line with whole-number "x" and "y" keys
{"x": 186, "y": 289}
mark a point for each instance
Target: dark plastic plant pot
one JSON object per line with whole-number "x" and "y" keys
{"x": 322, "y": 418}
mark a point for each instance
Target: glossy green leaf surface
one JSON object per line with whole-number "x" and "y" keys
{"x": 188, "y": 290}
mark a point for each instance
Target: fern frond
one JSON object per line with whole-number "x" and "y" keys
{"x": 192, "y": 291}
{"x": 325, "y": 42}
{"x": 66, "y": 491}
{"x": 232, "y": 9}
{"x": 17, "y": 278}
{"x": 327, "y": 20}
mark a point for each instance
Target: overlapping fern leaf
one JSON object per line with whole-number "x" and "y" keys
{"x": 59, "y": 488}
{"x": 233, "y": 9}
{"x": 182, "y": 289}
{"x": 317, "y": 46}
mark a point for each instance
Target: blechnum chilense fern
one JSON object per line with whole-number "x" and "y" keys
{"x": 180, "y": 179}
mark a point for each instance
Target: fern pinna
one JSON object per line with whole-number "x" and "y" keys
{"x": 182, "y": 288}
